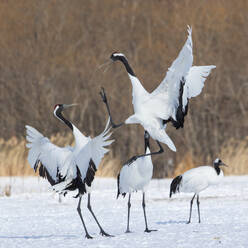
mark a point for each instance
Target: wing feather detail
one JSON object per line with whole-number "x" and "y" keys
{"x": 94, "y": 151}
{"x": 166, "y": 95}
{"x": 195, "y": 81}
{"x": 51, "y": 158}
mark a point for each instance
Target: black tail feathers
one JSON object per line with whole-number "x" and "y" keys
{"x": 175, "y": 185}
{"x": 118, "y": 186}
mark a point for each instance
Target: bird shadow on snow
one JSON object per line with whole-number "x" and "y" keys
{"x": 39, "y": 237}
{"x": 170, "y": 222}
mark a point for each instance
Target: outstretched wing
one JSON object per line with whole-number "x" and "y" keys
{"x": 90, "y": 156}
{"x": 50, "y": 158}
{"x": 166, "y": 95}
{"x": 195, "y": 81}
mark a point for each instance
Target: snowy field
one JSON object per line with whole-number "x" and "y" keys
{"x": 33, "y": 217}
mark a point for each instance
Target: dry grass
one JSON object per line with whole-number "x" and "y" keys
{"x": 13, "y": 158}
{"x": 109, "y": 168}
{"x": 235, "y": 155}
{"x": 185, "y": 164}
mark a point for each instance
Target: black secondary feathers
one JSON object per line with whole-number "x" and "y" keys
{"x": 175, "y": 185}
{"x": 43, "y": 172}
{"x": 180, "y": 114}
{"x": 78, "y": 183}
{"x": 90, "y": 175}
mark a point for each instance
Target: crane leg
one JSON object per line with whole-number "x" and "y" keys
{"x": 81, "y": 217}
{"x": 102, "y": 232}
{"x": 144, "y": 209}
{"x": 198, "y": 206}
{"x": 105, "y": 100}
{"x": 191, "y": 203}
{"x": 128, "y": 213}
{"x": 131, "y": 160}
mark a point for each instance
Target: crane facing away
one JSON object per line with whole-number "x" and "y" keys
{"x": 134, "y": 177}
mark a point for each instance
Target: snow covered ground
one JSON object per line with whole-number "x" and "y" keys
{"x": 33, "y": 217}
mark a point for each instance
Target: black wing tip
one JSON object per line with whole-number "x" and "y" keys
{"x": 175, "y": 185}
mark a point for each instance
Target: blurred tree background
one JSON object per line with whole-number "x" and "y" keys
{"x": 51, "y": 51}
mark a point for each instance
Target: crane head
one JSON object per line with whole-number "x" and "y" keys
{"x": 117, "y": 56}
{"x": 63, "y": 106}
{"x": 58, "y": 108}
{"x": 218, "y": 162}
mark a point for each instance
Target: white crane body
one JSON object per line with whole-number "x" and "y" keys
{"x": 196, "y": 180}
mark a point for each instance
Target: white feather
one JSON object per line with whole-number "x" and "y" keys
{"x": 66, "y": 160}
{"x": 51, "y": 156}
{"x": 95, "y": 150}
{"x": 151, "y": 109}
{"x": 137, "y": 175}
{"x": 195, "y": 81}
{"x": 197, "y": 179}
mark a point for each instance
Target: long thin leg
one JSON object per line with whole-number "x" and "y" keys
{"x": 128, "y": 213}
{"x": 191, "y": 203}
{"x": 102, "y": 232}
{"x": 81, "y": 217}
{"x": 144, "y": 209}
{"x": 131, "y": 160}
{"x": 198, "y": 206}
{"x": 105, "y": 100}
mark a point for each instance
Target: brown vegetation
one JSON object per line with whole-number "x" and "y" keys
{"x": 51, "y": 49}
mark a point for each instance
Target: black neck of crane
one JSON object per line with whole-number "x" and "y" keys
{"x": 147, "y": 144}
{"x": 59, "y": 115}
{"x": 217, "y": 168}
{"x": 127, "y": 66}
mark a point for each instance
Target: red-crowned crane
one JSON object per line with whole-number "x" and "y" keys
{"x": 169, "y": 101}
{"x": 69, "y": 168}
{"x": 196, "y": 180}
{"x": 134, "y": 177}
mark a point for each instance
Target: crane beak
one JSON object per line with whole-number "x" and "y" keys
{"x": 106, "y": 64}
{"x": 223, "y": 164}
{"x": 69, "y": 105}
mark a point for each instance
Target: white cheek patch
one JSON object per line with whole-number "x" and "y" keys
{"x": 217, "y": 160}
{"x": 119, "y": 54}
